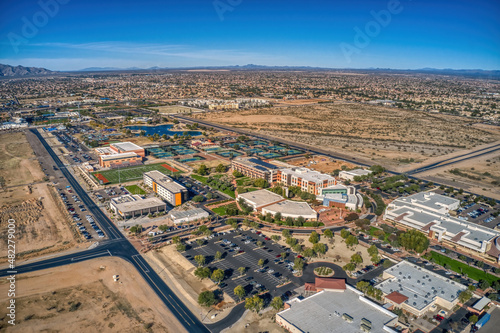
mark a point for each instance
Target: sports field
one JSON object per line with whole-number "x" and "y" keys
{"x": 124, "y": 175}
{"x": 134, "y": 189}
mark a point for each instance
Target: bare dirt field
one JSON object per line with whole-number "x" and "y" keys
{"x": 178, "y": 274}
{"x": 256, "y": 323}
{"x": 320, "y": 163}
{"x": 86, "y": 299}
{"x": 480, "y": 175}
{"x": 388, "y": 136}
{"x": 41, "y": 225}
{"x": 18, "y": 164}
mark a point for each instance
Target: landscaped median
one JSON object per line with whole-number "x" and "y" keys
{"x": 461, "y": 268}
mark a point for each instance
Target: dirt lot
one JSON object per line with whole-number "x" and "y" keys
{"x": 256, "y": 323}
{"x": 86, "y": 299}
{"x": 178, "y": 274}
{"x": 41, "y": 225}
{"x": 18, "y": 164}
{"x": 385, "y": 135}
{"x": 480, "y": 175}
{"x": 319, "y": 163}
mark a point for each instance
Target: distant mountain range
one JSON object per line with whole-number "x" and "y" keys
{"x": 7, "y": 70}
{"x": 13, "y": 71}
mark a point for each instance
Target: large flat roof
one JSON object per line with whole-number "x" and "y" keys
{"x": 131, "y": 203}
{"x": 126, "y": 146}
{"x": 165, "y": 181}
{"x": 255, "y": 163}
{"x": 429, "y": 200}
{"x": 118, "y": 156}
{"x": 292, "y": 208}
{"x": 420, "y": 285}
{"x": 179, "y": 214}
{"x": 261, "y": 197}
{"x": 358, "y": 172}
{"x": 473, "y": 236}
{"x": 322, "y": 313}
{"x": 309, "y": 175}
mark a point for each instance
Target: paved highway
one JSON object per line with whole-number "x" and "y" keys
{"x": 117, "y": 245}
{"x": 456, "y": 159}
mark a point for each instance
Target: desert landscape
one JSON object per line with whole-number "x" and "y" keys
{"x": 33, "y": 203}
{"x": 388, "y": 136}
{"x": 87, "y": 299}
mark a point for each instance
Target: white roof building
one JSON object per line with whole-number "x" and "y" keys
{"x": 349, "y": 175}
{"x": 428, "y": 212}
{"x": 336, "y": 312}
{"x": 420, "y": 287}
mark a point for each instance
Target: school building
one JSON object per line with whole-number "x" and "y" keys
{"x": 172, "y": 192}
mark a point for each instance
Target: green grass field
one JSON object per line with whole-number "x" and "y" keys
{"x": 124, "y": 175}
{"x": 134, "y": 189}
{"x": 461, "y": 268}
{"x": 222, "y": 209}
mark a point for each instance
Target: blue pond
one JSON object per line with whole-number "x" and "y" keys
{"x": 161, "y": 129}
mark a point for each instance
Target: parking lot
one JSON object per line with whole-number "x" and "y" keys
{"x": 78, "y": 153}
{"x": 239, "y": 249}
{"x": 79, "y": 214}
{"x": 480, "y": 214}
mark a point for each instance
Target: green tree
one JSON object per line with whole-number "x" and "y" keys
{"x": 202, "y": 273}
{"x": 261, "y": 262}
{"x": 218, "y": 255}
{"x": 275, "y": 238}
{"x": 351, "y": 240}
{"x": 349, "y": 267}
{"x": 285, "y": 233}
{"x": 314, "y": 237}
{"x": 344, "y": 233}
{"x": 202, "y": 170}
{"x": 277, "y": 217}
{"x": 200, "y": 242}
{"x": 261, "y": 182}
{"x": 181, "y": 247}
{"x": 464, "y": 296}
{"x": 319, "y": 248}
{"x": 259, "y": 243}
{"x": 356, "y": 258}
{"x": 414, "y": 240}
{"x": 206, "y": 298}
{"x": 363, "y": 286}
{"x": 237, "y": 174}
{"x": 284, "y": 255}
{"x": 220, "y": 168}
{"x": 277, "y": 303}
{"x": 473, "y": 319}
{"x": 218, "y": 275}
{"x": 372, "y": 250}
{"x": 242, "y": 270}
{"x": 200, "y": 259}
{"x": 198, "y": 198}
{"x": 328, "y": 233}
{"x": 240, "y": 292}
{"x": 308, "y": 252}
{"x": 176, "y": 239}
{"x": 298, "y": 264}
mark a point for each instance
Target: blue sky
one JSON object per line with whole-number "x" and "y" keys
{"x": 75, "y": 34}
